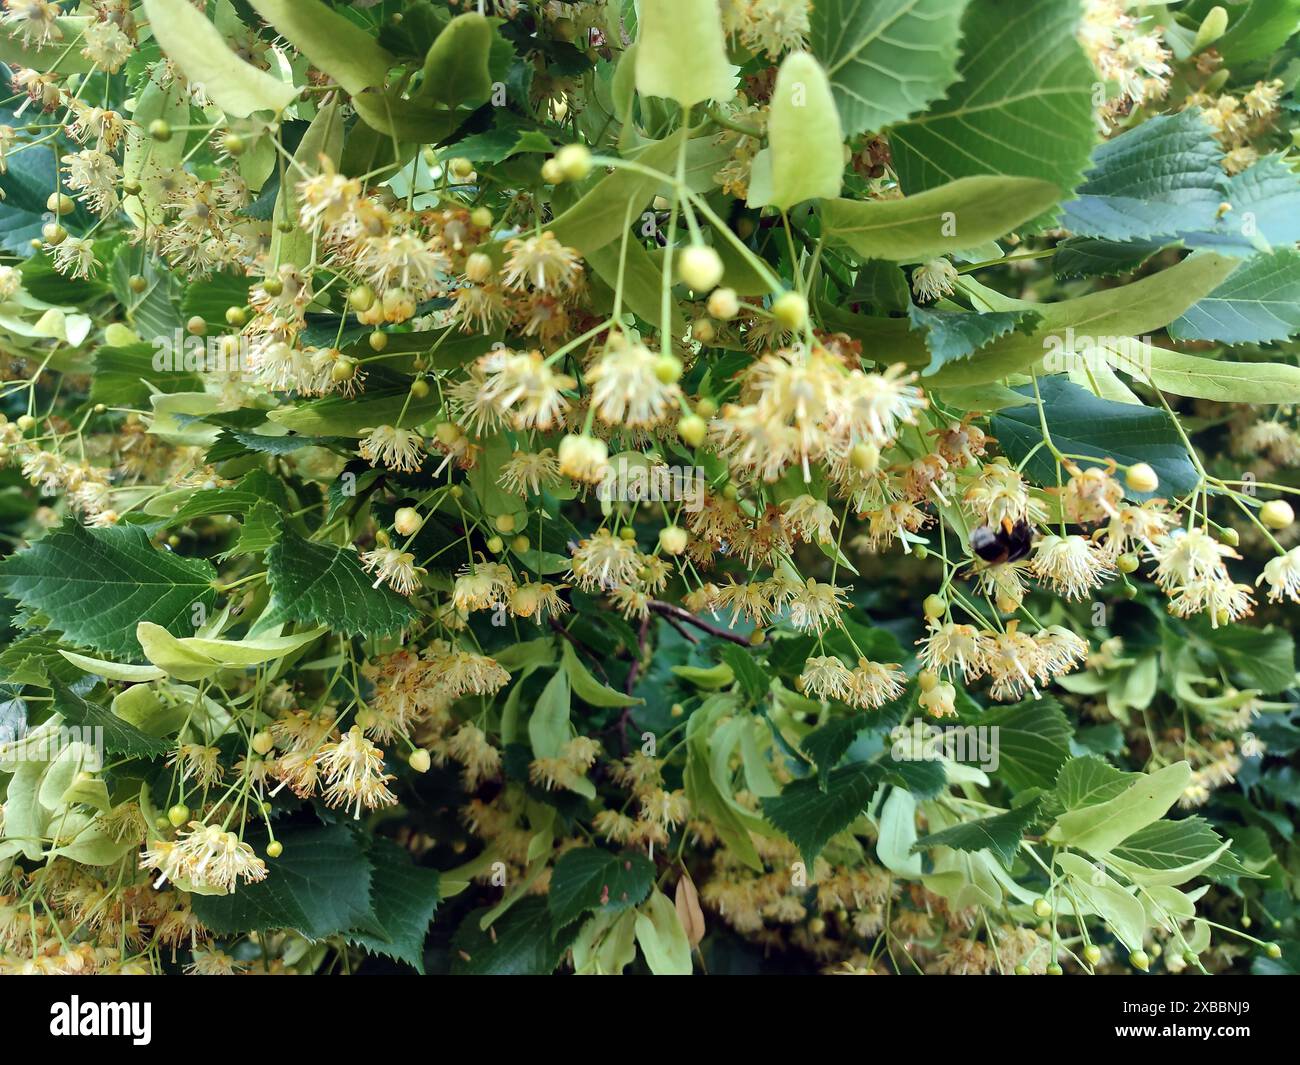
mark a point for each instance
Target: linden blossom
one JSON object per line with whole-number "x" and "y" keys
{"x": 639, "y": 482}
{"x": 77, "y": 1018}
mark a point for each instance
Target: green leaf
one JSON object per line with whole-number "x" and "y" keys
{"x": 319, "y": 887}
{"x": 1159, "y": 179}
{"x": 1090, "y": 257}
{"x": 588, "y": 688}
{"x": 1258, "y": 304}
{"x": 195, "y": 45}
{"x": 938, "y": 221}
{"x": 146, "y": 161}
{"x": 1021, "y": 105}
{"x": 456, "y": 68}
{"x": 520, "y": 943}
{"x": 1265, "y": 202}
{"x": 126, "y": 376}
{"x": 703, "y": 791}
{"x": 1101, "y": 894}
{"x": 1172, "y": 852}
{"x": 1222, "y": 380}
{"x": 325, "y": 585}
{"x": 95, "y": 585}
{"x": 259, "y": 532}
{"x": 952, "y": 335}
{"x": 887, "y": 59}
{"x": 1256, "y": 28}
{"x": 1000, "y": 834}
{"x": 404, "y": 897}
{"x": 804, "y": 159}
{"x": 324, "y": 137}
{"x": 1099, "y": 827}
{"x": 1258, "y": 658}
{"x": 548, "y": 727}
{"x": 56, "y": 56}
{"x": 591, "y": 879}
{"x": 1033, "y": 741}
{"x": 333, "y": 43}
{"x": 753, "y": 680}
{"x": 1082, "y": 424}
{"x": 811, "y": 816}
{"x": 120, "y": 737}
{"x": 681, "y": 53}
{"x": 1103, "y": 317}
{"x": 1088, "y": 780}
{"x": 662, "y": 938}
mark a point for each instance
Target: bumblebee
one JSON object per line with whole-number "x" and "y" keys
{"x": 1007, "y": 542}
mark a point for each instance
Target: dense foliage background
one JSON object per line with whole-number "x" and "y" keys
{"x": 758, "y": 486}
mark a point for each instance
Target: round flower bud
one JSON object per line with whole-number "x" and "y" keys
{"x": 235, "y": 316}
{"x": 504, "y": 523}
{"x": 419, "y": 388}
{"x": 1042, "y": 908}
{"x": 263, "y": 741}
{"x": 703, "y": 331}
{"x": 461, "y": 168}
{"x": 160, "y": 130}
{"x": 407, "y": 521}
{"x": 496, "y": 545}
{"x": 706, "y": 408}
{"x": 692, "y": 429}
{"x": 54, "y": 233}
{"x": 865, "y": 458}
{"x": 481, "y": 217}
{"x": 272, "y": 286}
{"x": 233, "y": 143}
{"x": 791, "y": 310}
{"x": 178, "y": 815}
{"x": 1127, "y": 563}
{"x": 668, "y": 369}
{"x": 1142, "y": 478}
{"x": 574, "y": 161}
{"x": 935, "y": 606}
{"x": 700, "y": 267}
{"x": 1092, "y": 954}
{"x": 520, "y": 544}
{"x": 724, "y": 304}
{"x": 1276, "y": 514}
{"x": 274, "y": 849}
{"x": 361, "y": 298}
{"x": 672, "y": 538}
{"x": 419, "y": 760}
{"x": 551, "y": 172}
{"x": 478, "y": 267}
{"x": 378, "y": 340}
{"x": 344, "y": 369}
{"x": 60, "y": 204}
{"x": 196, "y": 326}
{"x": 1139, "y": 959}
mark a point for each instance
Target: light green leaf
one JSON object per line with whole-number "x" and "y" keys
{"x": 120, "y": 736}
{"x": 681, "y": 52}
{"x": 333, "y": 43}
{"x": 192, "y": 658}
{"x": 804, "y": 159}
{"x": 588, "y": 688}
{"x": 938, "y": 221}
{"x": 148, "y": 162}
{"x": 1101, "y": 894}
{"x": 324, "y": 137}
{"x": 662, "y": 938}
{"x": 113, "y": 670}
{"x": 456, "y": 68}
{"x": 1222, "y": 380}
{"x": 1097, "y": 829}
{"x": 548, "y": 727}
{"x": 195, "y": 45}
{"x": 887, "y": 59}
